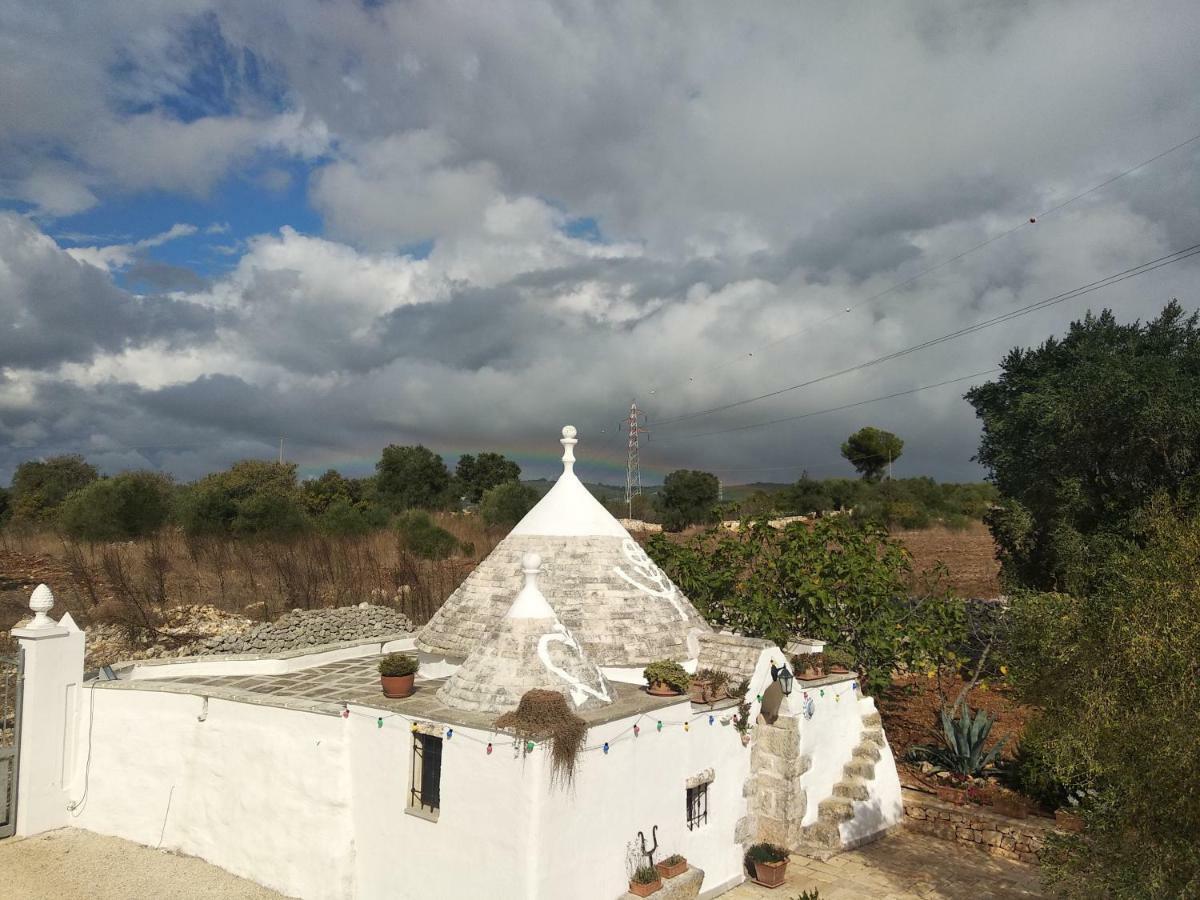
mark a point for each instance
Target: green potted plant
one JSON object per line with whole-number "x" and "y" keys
{"x": 665, "y": 678}
{"x": 839, "y": 662}
{"x": 644, "y": 881}
{"x": 397, "y": 671}
{"x": 671, "y": 866}
{"x": 769, "y": 862}
{"x": 809, "y": 666}
{"x": 708, "y": 686}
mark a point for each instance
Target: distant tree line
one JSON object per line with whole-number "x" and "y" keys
{"x": 267, "y": 499}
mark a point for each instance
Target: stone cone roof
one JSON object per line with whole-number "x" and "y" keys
{"x": 619, "y": 605}
{"x": 528, "y": 649}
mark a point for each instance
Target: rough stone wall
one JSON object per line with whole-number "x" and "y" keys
{"x": 310, "y": 628}
{"x": 777, "y": 800}
{"x": 1019, "y": 839}
{"x": 730, "y": 653}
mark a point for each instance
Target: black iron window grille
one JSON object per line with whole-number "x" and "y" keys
{"x": 426, "y": 773}
{"x": 697, "y": 806}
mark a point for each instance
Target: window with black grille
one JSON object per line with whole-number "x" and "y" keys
{"x": 697, "y": 806}
{"x": 426, "y": 795}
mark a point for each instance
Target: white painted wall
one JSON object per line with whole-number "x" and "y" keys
{"x": 260, "y": 791}
{"x": 638, "y": 784}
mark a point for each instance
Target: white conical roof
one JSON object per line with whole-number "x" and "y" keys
{"x": 621, "y": 607}
{"x": 529, "y": 649}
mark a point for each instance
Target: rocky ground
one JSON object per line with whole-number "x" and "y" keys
{"x": 307, "y": 628}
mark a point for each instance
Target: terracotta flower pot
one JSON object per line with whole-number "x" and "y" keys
{"x": 644, "y": 890}
{"x": 662, "y": 689}
{"x": 1010, "y": 806}
{"x": 397, "y": 687}
{"x": 951, "y": 795}
{"x": 1068, "y": 821}
{"x": 745, "y": 740}
{"x": 770, "y": 874}
{"x": 839, "y": 670}
{"x": 671, "y": 871}
{"x": 704, "y": 692}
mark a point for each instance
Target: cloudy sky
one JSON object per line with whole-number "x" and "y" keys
{"x": 465, "y": 225}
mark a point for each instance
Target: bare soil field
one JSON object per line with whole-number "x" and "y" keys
{"x": 969, "y": 555}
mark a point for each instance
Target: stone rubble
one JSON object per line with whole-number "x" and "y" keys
{"x": 308, "y": 628}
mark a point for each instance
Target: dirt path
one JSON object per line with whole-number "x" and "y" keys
{"x": 63, "y": 865}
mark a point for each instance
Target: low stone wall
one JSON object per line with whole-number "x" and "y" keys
{"x": 1019, "y": 839}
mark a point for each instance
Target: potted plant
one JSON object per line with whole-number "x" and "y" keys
{"x": 671, "y": 866}
{"x": 645, "y": 881}
{"x": 769, "y": 862}
{"x": 665, "y": 678}
{"x": 708, "y": 686}
{"x": 1010, "y": 805}
{"x": 397, "y": 671}
{"x": 839, "y": 662}
{"x": 1068, "y": 820}
{"x": 809, "y": 666}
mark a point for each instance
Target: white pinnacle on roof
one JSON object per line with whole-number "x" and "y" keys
{"x": 621, "y": 607}
{"x": 529, "y": 649}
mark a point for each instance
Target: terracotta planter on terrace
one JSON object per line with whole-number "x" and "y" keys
{"x": 703, "y": 692}
{"x": 661, "y": 689}
{"x": 644, "y": 890}
{"x": 1068, "y": 821}
{"x": 671, "y": 871}
{"x": 810, "y": 674}
{"x": 397, "y": 687}
{"x": 1010, "y": 806}
{"x": 951, "y": 795}
{"x": 770, "y": 874}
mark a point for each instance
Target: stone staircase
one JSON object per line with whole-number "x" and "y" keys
{"x": 823, "y": 838}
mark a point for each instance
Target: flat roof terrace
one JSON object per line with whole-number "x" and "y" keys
{"x": 324, "y": 689}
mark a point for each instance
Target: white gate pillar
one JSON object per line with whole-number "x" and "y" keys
{"x": 49, "y": 711}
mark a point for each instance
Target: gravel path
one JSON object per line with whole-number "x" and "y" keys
{"x": 73, "y": 863}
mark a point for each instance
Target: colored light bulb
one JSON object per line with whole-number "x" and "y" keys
{"x": 660, "y": 726}
{"x": 489, "y": 750}
{"x": 449, "y": 733}
{"x": 379, "y": 721}
{"x": 606, "y": 746}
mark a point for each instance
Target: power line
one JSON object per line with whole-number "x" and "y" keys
{"x": 820, "y": 412}
{"x": 1032, "y": 220}
{"x": 1116, "y": 278}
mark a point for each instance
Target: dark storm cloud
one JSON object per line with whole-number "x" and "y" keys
{"x": 58, "y": 309}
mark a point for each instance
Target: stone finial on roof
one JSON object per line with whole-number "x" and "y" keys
{"x": 530, "y": 604}
{"x": 569, "y": 441}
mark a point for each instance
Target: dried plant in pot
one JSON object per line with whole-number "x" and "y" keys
{"x": 665, "y": 678}
{"x": 644, "y": 881}
{"x": 671, "y": 866}
{"x": 708, "y": 686}
{"x": 769, "y": 862}
{"x": 809, "y": 666}
{"x": 397, "y": 672}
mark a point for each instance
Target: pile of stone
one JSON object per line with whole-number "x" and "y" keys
{"x": 183, "y": 632}
{"x": 311, "y": 628}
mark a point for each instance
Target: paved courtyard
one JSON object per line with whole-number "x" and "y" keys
{"x": 903, "y": 866}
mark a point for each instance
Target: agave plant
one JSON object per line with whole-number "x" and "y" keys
{"x": 965, "y": 739}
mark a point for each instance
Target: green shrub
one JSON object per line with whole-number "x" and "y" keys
{"x": 129, "y": 505}
{"x": 506, "y": 504}
{"x": 1032, "y": 771}
{"x": 421, "y": 536}
{"x": 766, "y": 853}
{"x": 668, "y": 672}
{"x": 342, "y": 517}
{"x": 839, "y": 657}
{"x": 396, "y": 665}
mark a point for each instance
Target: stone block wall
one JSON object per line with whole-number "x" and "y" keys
{"x": 1019, "y": 839}
{"x": 777, "y": 800}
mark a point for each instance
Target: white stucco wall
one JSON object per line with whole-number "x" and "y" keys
{"x": 638, "y": 784}
{"x": 260, "y": 791}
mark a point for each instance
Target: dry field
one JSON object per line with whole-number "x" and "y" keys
{"x": 969, "y": 555}
{"x": 133, "y": 583}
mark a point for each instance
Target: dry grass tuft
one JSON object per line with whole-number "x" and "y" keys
{"x": 545, "y": 714}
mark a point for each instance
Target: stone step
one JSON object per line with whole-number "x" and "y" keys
{"x": 859, "y": 768}
{"x": 835, "y": 809}
{"x": 852, "y": 789}
{"x": 820, "y": 836}
{"x": 873, "y": 736}
{"x": 867, "y": 751}
{"x": 872, "y": 719}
